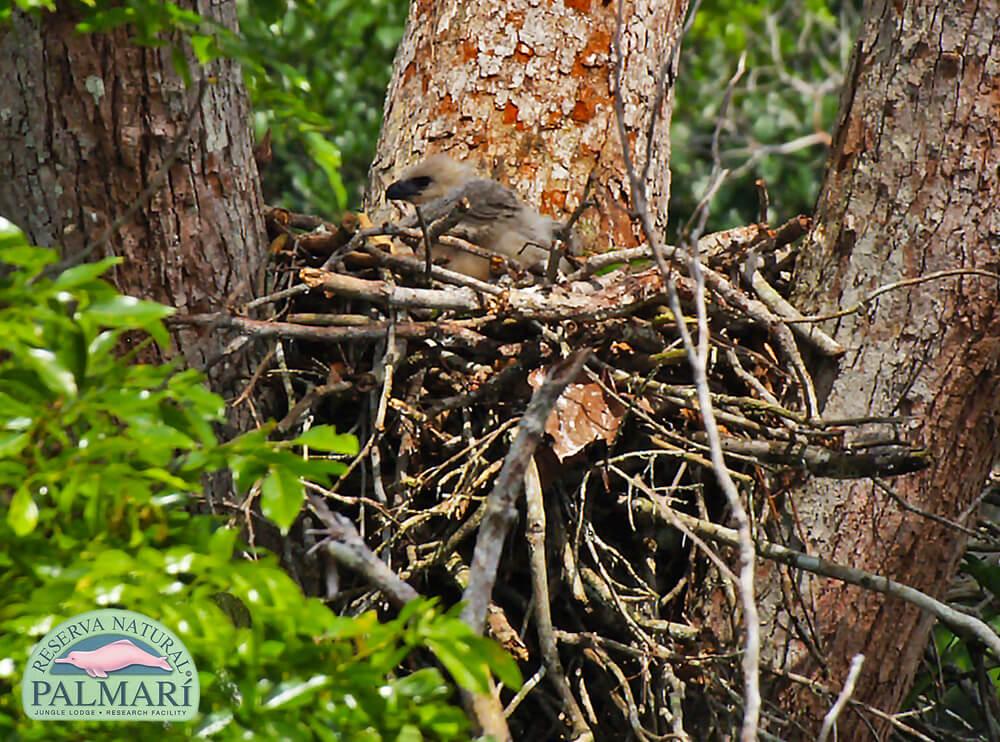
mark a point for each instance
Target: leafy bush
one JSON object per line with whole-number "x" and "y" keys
{"x": 781, "y": 111}
{"x": 317, "y": 77}
{"x": 99, "y": 458}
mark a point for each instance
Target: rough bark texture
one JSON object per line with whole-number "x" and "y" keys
{"x": 87, "y": 123}
{"x": 912, "y": 188}
{"x": 523, "y": 89}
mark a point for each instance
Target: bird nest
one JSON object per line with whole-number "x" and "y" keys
{"x": 434, "y": 373}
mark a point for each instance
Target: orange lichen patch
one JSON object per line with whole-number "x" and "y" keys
{"x": 553, "y": 119}
{"x": 553, "y": 201}
{"x": 447, "y": 106}
{"x": 469, "y": 50}
{"x": 514, "y": 18}
{"x": 523, "y": 53}
{"x": 476, "y": 139}
{"x": 408, "y": 73}
{"x": 586, "y": 104}
{"x": 510, "y": 112}
{"x": 598, "y": 45}
{"x": 581, "y": 113}
{"x": 581, "y": 5}
{"x": 524, "y": 170}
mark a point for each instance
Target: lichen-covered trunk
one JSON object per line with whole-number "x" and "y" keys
{"x": 913, "y": 187}
{"x": 525, "y": 91}
{"x": 95, "y": 130}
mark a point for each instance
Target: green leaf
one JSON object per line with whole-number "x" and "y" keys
{"x": 327, "y": 155}
{"x": 468, "y": 670}
{"x": 102, "y": 345}
{"x": 71, "y": 350}
{"x": 11, "y": 443}
{"x": 53, "y": 374}
{"x": 326, "y": 438}
{"x": 126, "y": 311}
{"x": 180, "y": 65}
{"x": 409, "y": 733}
{"x": 500, "y": 662}
{"x": 71, "y": 278}
{"x": 14, "y": 251}
{"x": 295, "y": 692}
{"x": 281, "y": 497}
{"x": 23, "y": 514}
{"x": 246, "y": 470}
{"x": 204, "y": 48}
{"x": 988, "y": 576}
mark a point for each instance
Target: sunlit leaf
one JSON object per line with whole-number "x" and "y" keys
{"x": 23, "y": 513}
{"x": 281, "y": 497}
{"x": 326, "y": 438}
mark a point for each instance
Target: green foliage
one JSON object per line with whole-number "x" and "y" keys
{"x": 959, "y": 680}
{"x": 796, "y": 55}
{"x": 318, "y": 83}
{"x": 98, "y": 459}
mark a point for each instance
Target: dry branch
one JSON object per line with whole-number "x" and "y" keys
{"x": 961, "y": 623}
{"x": 500, "y": 511}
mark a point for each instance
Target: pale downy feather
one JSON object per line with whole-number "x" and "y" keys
{"x": 496, "y": 218}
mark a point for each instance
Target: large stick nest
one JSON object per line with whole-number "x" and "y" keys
{"x": 433, "y": 377}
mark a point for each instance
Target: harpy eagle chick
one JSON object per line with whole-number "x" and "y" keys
{"x": 496, "y": 218}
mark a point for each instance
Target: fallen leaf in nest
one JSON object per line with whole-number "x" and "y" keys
{"x": 692, "y": 416}
{"x": 643, "y": 404}
{"x": 581, "y": 416}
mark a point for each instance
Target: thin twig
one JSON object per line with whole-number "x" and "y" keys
{"x": 428, "y": 255}
{"x": 698, "y": 358}
{"x": 845, "y": 695}
{"x": 961, "y": 623}
{"x": 535, "y": 532}
{"x": 349, "y": 549}
{"x": 905, "y": 283}
{"x": 529, "y": 685}
{"x": 814, "y": 685}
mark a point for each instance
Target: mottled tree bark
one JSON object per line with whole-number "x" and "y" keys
{"x": 90, "y": 122}
{"x": 525, "y": 91}
{"x": 913, "y": 187}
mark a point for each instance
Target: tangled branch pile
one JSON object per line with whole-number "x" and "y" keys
{"x": 596, "y": 583}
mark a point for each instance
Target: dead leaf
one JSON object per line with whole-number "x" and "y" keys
{"x": 581, "y": 416}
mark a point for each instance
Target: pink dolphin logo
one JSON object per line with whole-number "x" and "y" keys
{"x": 112, "y": 657}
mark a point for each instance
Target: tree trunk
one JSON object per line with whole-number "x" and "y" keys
{"x": 525, "y": 91}
{"x": 911, "y": 189}
{"x": 96, "y": 130}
